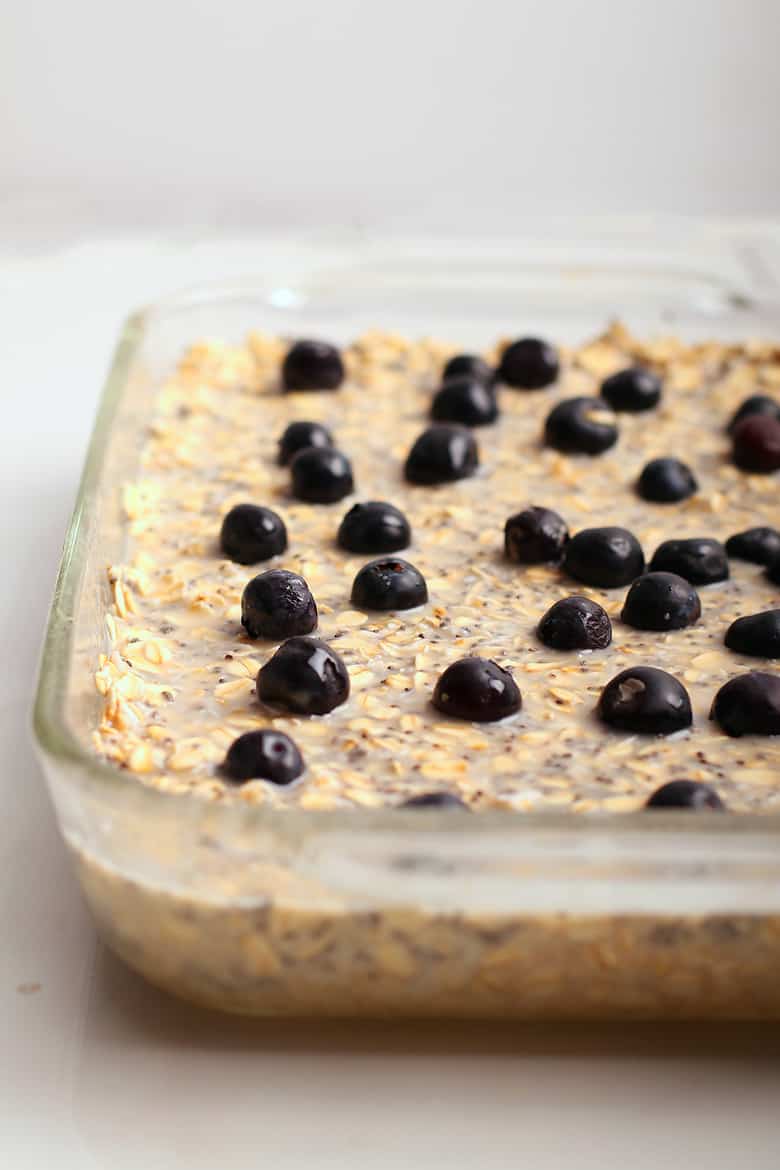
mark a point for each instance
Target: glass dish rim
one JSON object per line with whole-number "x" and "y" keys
{"x": 56, "y": 741}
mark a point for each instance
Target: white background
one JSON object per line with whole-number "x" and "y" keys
{"x": 128, "y": 133}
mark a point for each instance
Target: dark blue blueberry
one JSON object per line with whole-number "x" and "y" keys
{"x": 250, "y": 534}
{"x": 435, "y": 800}
{"x": 312, "y": 365}
{"x": 749, "y": 705}
{"x": 632, "y": 390}
{"x": 759, "y": 545}
{"x": 756, "y": 443}
{"x": 321, "y": 475}
{"x": 305, "y": 676}
{"x": 605, "y": 557}
{"x": 389, "y": 583}
{"x": 374, "y": 527}
{"x": 471, "y": 365}
{"x": 465, "y": 400}
{"x": 757, "y": 635}
{"x": 529, "y": 364}
{"x": 699, "y": 560}
{"x": 276, "y": 605}
{"x": 300, "y": 435}
{"x": 442, "y": 454}
{"x": 575, "y": 623}
{"x": 685, "y": 794}
{"x": 645, "y": 700}
{"x": 263, "y": 755}
{"x": 477, "y": 689}
{"x": 756, "y": 404}
{"x": 665, "y": 481}
{"x": 580, "y": 425}
{"x": 535, "y": 536}
{"x": 661, "y": 601}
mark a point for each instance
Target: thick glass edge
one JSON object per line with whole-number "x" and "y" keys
{"x": 55, "y": 741}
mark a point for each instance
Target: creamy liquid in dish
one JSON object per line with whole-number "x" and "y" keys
{"x": 179, "y": 675}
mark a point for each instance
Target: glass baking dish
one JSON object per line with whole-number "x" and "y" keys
{"x": 395, "y": 912}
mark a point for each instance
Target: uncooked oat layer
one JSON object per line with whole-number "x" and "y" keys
{"x": 178, "y": 675}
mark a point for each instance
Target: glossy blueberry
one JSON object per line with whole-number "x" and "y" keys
{"x": 661, "y": 601}
{"x": 665, "y": 481}
{"x": 699, "y": 560}
{"x": 756, "y": 404}
{"x": 312, "y": 365}
{"x": 477, "y": 689}
{"x": 581, "y": 425}
{"x": 305, "y": 676}
{"x": 470, "y": 365}
{"x": 300, "y": 435}
{"x": 632, "y": 390}
{"x": 321, "y": 475}
{"x": 759, "y": 545}
{"x": 250, "y": 534}
{"x": 465, "y": 400}
{"x": 441, "y": 454}
{"x": 528, "y": 364}
{"x": 263, "y": 755}
{"x": 535, "y": 536}
{"x": 685, "y": 794}
{"x": 756, "y": 443}
{"x": 435, "y": 800}
{"x": 757, "y": 635}
{"x": 374, "y": 527}
{"x": 605, "y": 557}
{"x": 389, "y": 583}
{"x": 645, "y": 700}
{"x": 749, "y": 705}
{"x": 276, "y": 605}
{"x": 575, "y": 623}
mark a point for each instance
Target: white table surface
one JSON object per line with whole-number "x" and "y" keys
{"x": 97, "y": 1070}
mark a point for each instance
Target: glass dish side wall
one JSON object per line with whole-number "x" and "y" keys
{"x": 413, "y": 911}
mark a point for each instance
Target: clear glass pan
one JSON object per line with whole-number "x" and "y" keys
{"x": 392, "y": 912}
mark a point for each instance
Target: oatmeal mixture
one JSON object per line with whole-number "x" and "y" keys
{"x": 179, "y": 673}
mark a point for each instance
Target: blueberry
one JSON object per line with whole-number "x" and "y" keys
{"x": 312, "y": 365}
{"x": 661, "y": 601}
{"x": 374, "y": 527}
{"x": 756, "y": 443}
{"x": 632, "y": 390}
{"x": 435, "y": 800}
{"x": 749, "y": 705}
{"x": 389, "y": 583}
{"x": 321, "y": 475}
{"x": 605, "y": 557}
{"x": 756, "y": 404}
{"x": 477, "y": 689}
{"x": 535, "y": 536}
{"x": 580, "y": 425}
{"x": 529, "y": 364}
{"x": 441, "y": 454}
{"x": 757, "y": 635}
{"x": 773, "y": 571}
{"x": 646, "y": 700}
{"x": 263, "y": 755}
{"x": 299, "y": 435}
{"x": 665, "y": 481}
{"x": 276, "y": 605}
{"x": 575, "y": 623}
{"x": 699, "y": 560}
{"x": 759, "y": 545}
{"x": 250, "y": 534}
{"x": 304, "y": 675}
{"x": 685, "y": 794}
{"x": 465, "y": 400}
{"x": 471, "y": 365}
